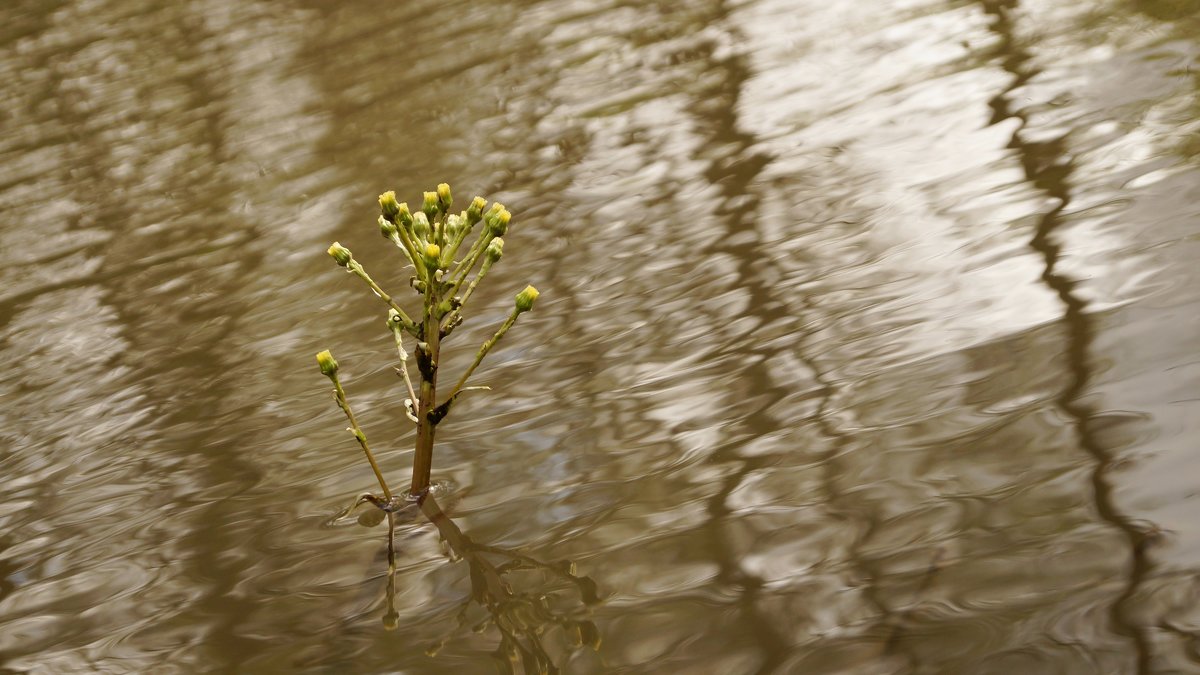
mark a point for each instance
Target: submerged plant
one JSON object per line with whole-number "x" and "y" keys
{"x": 445, "y": 275}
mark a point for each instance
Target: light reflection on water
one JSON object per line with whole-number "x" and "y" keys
{"x": 867, "y": 339}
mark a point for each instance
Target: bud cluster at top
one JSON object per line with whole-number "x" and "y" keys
{"x": 433, "y": 236}
{"x": 432, "y": 239}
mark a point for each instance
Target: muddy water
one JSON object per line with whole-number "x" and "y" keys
{"x": 867, "y": 344}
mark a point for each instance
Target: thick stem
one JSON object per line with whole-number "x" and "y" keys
{"x": 427, "y": 363}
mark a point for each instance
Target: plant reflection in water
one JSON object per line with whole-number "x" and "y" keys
{"x": 539, "y": 608}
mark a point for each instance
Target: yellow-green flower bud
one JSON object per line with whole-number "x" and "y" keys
{"x": 328, "y": 364}
{"x": 340, "y": 253}
{"x": 525, "y": 299}
{"x": 433, "y": 253}
{"x": 431, "y": 205}
{"x": 388, "y": 205}
{"x": 498, "y": 222}
{"x": 495, "y": 249}
{"x": 444, "y": 198}
{"x": 475, "y": 210}
{"x": 387, "y": 228}
{"x": 404, "y": 217}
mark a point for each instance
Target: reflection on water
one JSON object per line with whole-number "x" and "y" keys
{"x": 1046, "y": 164}
{"x": 868, "y": 344}
{"x": 520, "y": 604}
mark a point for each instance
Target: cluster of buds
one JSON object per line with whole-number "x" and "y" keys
{"x": 431, "y": 240}
{"x": 445, "y": 274}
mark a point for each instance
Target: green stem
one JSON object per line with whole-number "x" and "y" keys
{"x": 487, "y": 346}
{"x": 406, "y": 244}
{"x": 448, "y": 324}
{"x": 439, "y": 228}
{"x": 464, "y": 268}
{"x": 340, "y": 397}
{"x": 458, "y": 240}
{"x": 396, "y": 331}
{"x": 357, "y": 268}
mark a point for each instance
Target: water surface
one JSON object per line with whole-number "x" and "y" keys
{"x": 867, "y": 340}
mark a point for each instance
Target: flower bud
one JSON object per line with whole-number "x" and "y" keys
{"x": 453, "y": 224}
{"x": 525, "y": 299}
{"x": 388, "y": 205}
{"x": 498, "y": 223}
{"x": 404, "y": 217}
{"x": 475, "y": 210}
{"x": 421, "y": 226}
{"x": 444, "y": 198}
{"x": 430, "y": 206}
{"x": 387, "y": 228}
{"x": 328, "y": 364}
{"x": 340, "y": 253}
{"x": 495, "y": 249}
{"x": 433, "y": 253}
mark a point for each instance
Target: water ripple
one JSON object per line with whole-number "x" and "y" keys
{"x": 800, "y": 396}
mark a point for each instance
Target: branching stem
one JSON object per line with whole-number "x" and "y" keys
{"x": 448, "y": 324}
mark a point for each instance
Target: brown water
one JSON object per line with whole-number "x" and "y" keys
{"x": 869, "y": 339}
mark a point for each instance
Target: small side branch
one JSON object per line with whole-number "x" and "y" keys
{"x": 343, "y": 257}
{"x": 329, "y": 367}
{"x": 483, "y": 351}
{"x": 396, "y": 324}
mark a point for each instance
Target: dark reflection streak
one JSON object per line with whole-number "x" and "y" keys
{"x": 1046, "y": 167}
{"x": 733, "y": 172}
{"x": 391, "y": 617}
{"x": 840, "y": 507}
{"x": 735, "y": 179}
{"x": 897, "y": 631}
{"x": 214, "y": 532}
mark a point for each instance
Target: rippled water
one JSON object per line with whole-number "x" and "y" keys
{"x": 868, "y": 340}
